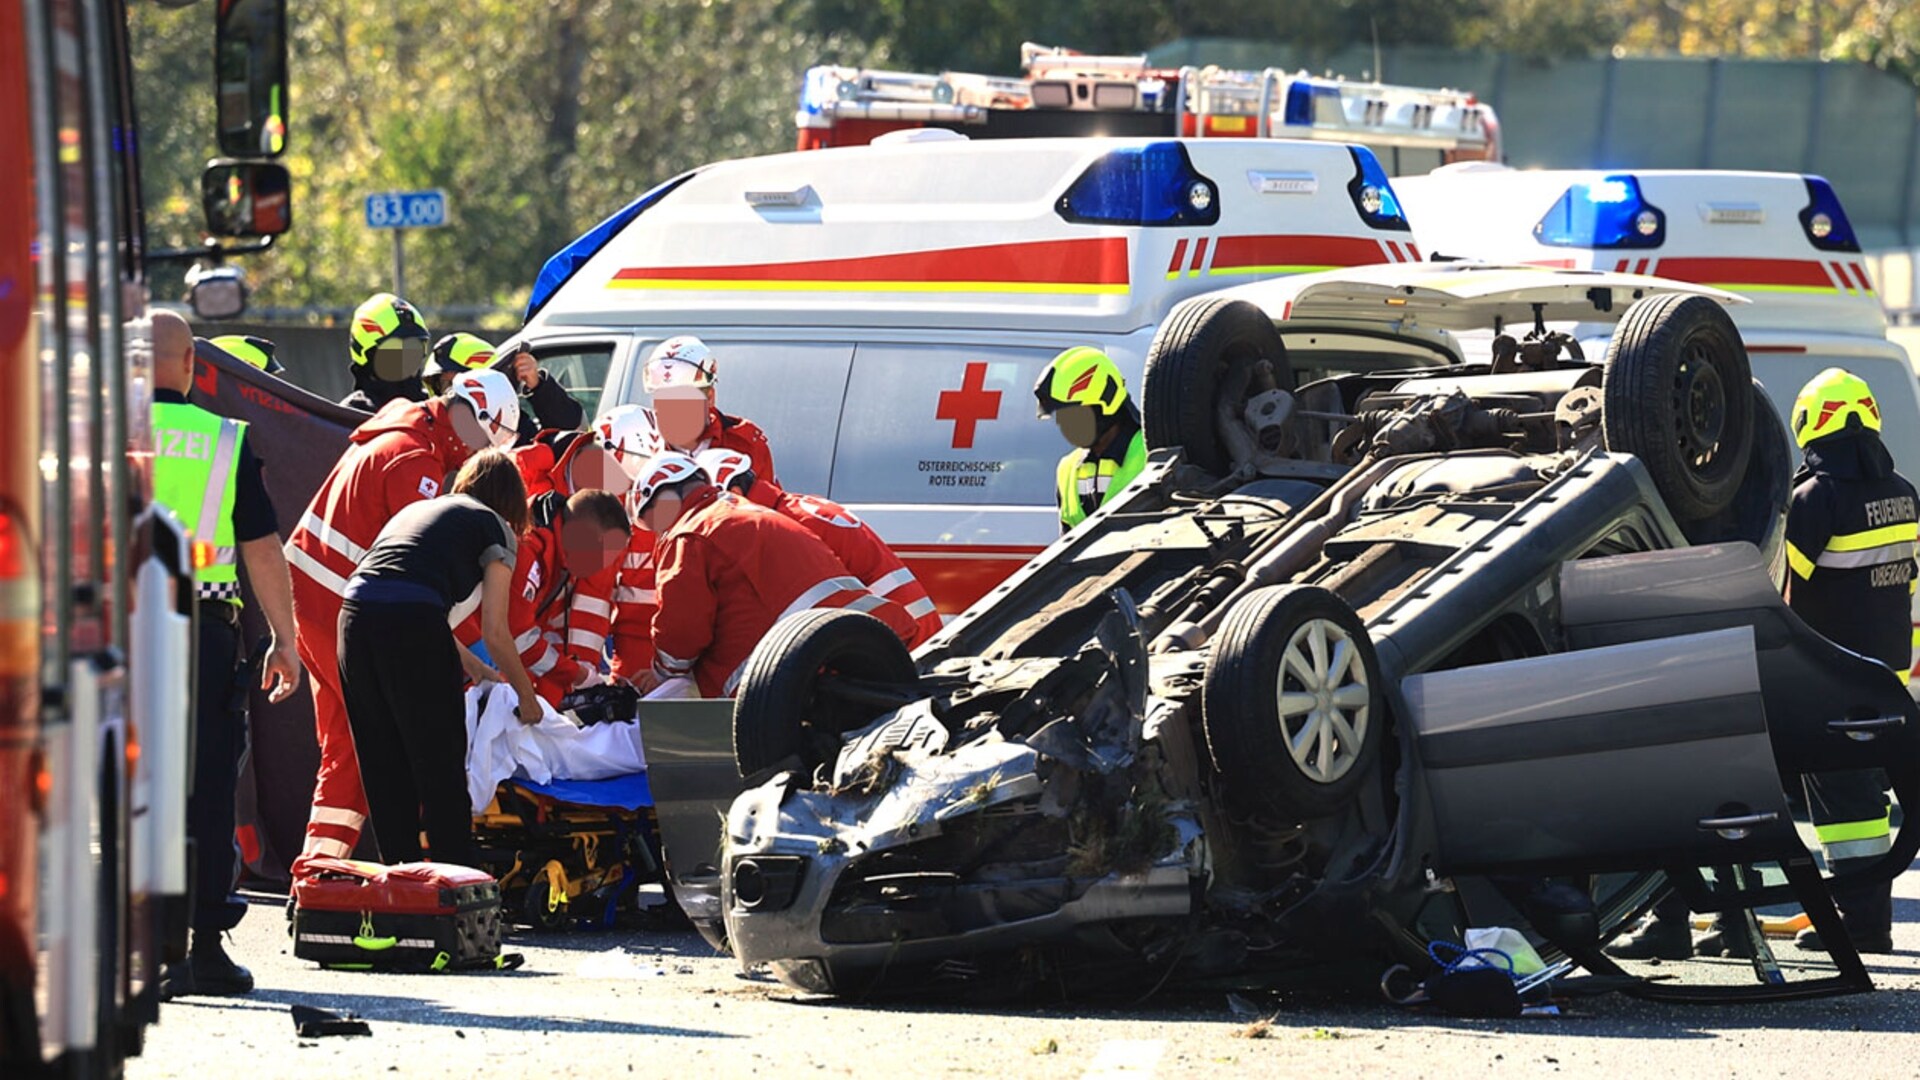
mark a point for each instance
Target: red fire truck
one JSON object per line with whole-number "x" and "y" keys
{"x": 1062, "y": 92}
{"x": 95, "y": 583}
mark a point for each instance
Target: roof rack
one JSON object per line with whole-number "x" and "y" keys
{"x": 1067, "y": 93}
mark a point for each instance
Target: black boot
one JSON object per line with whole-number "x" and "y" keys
{"x": 1657, "y": 939}
{"x": 214, "y": 972}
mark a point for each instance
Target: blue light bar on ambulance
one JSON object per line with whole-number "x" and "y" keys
{"x": 561, "y": 266}
{"x": 1154, "y": 184}
{"x": 1372, "y": 195}
{"x": 1608, "y": 213}
{"x": 1825, "y": 223}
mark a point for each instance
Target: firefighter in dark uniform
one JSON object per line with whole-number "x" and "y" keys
{"x": 1850, "y": 552}
{"x": 1084, "y": 393}
{"x": 205, "y": 471}
{"x": 1850, "y": 548}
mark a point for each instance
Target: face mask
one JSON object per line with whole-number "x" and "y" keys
{"x": 1078, "y": 423}
{"x": 398, "y": 359}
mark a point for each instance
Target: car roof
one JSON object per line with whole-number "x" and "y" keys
{"x": 1460, "y": 296}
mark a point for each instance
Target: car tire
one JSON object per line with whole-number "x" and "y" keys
{"x": 779, "y": 711}
{"x": 1187, "y": 364}
{"x": 1676, "y": 398}
{"x": 1279, "y": 693}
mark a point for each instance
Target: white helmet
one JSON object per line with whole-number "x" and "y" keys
{"x": 679, "y": 361}
{"x": 664, "y": 469}
{"x": 723, "y": 466}
{"x": 493, "y": 399}
{"x": 629, "y": 433}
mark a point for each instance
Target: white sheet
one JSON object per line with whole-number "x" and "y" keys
{"x": 499, "y": 747}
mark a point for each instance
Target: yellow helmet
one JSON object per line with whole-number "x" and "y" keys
{"x": 1082, "y": 375}
{"x": 456, "y": 353}
{"x": 1833, "y": 401}
{"x": 384, "y": 316}
{"x": 257, "y": 351}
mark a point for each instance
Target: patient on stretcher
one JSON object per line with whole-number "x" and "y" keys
{"x": 499, "y": 747}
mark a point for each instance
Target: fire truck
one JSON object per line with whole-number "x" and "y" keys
{"x": 96, "y": 598}
{"x": 1065, "y": 93}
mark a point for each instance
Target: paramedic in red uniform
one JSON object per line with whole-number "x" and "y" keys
{"x": 608, "y": 455}
{"x": 679, "y": 377}
{"x": 563, "y": 585}
{"x": 851, "y": 540}
{"x": 399, "y": 457}
{"x": 401, "y": 673}
{"x": 729, "y": 570}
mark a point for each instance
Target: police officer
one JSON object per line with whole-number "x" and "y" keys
{"x": 1850, "y": 548}
{"x": 1083, "y": 391}
{"x": 206, "y": 472}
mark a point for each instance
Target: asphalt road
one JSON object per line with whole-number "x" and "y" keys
{"x": 663, "y": 1005}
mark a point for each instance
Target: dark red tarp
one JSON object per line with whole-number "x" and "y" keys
{"x": 298, "y": 437}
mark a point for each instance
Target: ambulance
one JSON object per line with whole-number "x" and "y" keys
{"x": 1062, "y": 92}
{"x": 883, "y": 311}
{"x": 1781, "y": 240}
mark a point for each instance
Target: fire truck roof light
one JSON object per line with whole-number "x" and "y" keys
{"x": 564, "y": 262}
{"x": 1373, "y": 195}
{"x": 1825, "y": 223}
{"x": 1605, "y": 214}
{"x": 1155, "y": 184}
{"x": 1302, "y": 98}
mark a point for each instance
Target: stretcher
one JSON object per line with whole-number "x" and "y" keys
{"x": 569, "y": 854}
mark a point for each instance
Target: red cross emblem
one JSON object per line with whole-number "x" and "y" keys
{"x": 969, "y": 405}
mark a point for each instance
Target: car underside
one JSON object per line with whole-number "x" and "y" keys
{"x": 1354, "y": 665}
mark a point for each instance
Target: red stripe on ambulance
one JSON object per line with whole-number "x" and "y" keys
{"x": 1092, "y": 261}
{"x": 1244, "y": 252}
{"x": 1800, "y": 273}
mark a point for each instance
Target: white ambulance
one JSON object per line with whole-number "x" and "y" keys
{"x": 1782, "y": 240}
{"x": 883, "y": 311}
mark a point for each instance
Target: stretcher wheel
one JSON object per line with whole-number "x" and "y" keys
{"x": 539, "y": 914}
{"x": 1291, "y": 704}
{"x": 784, "y": 709}
{"x": 1676, "y": 398}
{"x": 1206, "y": 352}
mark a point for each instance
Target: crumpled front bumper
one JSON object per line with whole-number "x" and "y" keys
{"x": 789, "y": 854}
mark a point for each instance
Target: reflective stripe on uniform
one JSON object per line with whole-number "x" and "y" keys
{"x": 1901, "y": 551}
{"x": 334, "y": 815}
{"x": 824, "y": 589}
{"x": 1858, "y": 849}
{"x": 921, "y": 608}
{"x": 671, "y": 665}
{"x": 864, "y": 603}
{"x": 330, "y": 538}
{"x": 527, "y": 639}
{"x": 1798, "y": 560}
{"x": 627, "y": 594}
{"x": 315, "y": 569}
{"x": 1856, "y": 839}
{"x": 890, "y": 582}
{"x": 545, "y": 662}
{"x": 582, "y": 639}
{"x": 1873, "y": 538}
{"x": 215, "y": 498}
{"x": 320, "y": 845}
{"x": 593, "y": 605}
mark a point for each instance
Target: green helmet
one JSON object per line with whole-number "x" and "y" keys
{"x": 257, "y": 351}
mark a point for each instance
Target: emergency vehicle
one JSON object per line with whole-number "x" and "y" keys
{"x": 1063, "y": 92}
{"x": 96, "y": 588}
{"x": 883, "y": 311}
{"x": 1782, "y": 240}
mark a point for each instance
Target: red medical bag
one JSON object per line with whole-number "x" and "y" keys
{"x": 411, "y": 917}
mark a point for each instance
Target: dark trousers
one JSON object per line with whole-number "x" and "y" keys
{"x": 400, "y": 674}
{"x": 219, "y": 733}
{"x": 1855, "y": 795}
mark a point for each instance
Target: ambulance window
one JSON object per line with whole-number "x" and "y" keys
{"x": 792, "y": 390}
{"x": 581, "y": 368}
{"x": 945, "y": 424}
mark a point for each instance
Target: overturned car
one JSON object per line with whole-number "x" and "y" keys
{"x": 1418, "y": 619}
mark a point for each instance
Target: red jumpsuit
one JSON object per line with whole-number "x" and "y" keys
{"x": 855, "y": 543}
{"x": 400, "y": 456}
{"x": 543, "y": 463}
{"x": 633, "y": 607}
{"x": 729, "y": 570}
{"x": 737, "y": 433}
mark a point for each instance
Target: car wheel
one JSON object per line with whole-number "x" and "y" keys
{"x": 1677, "y": 399}
{"x": 1291, "y": 703}
{"x": 1205, "y": 348}
{"x": 780, "y": 711}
